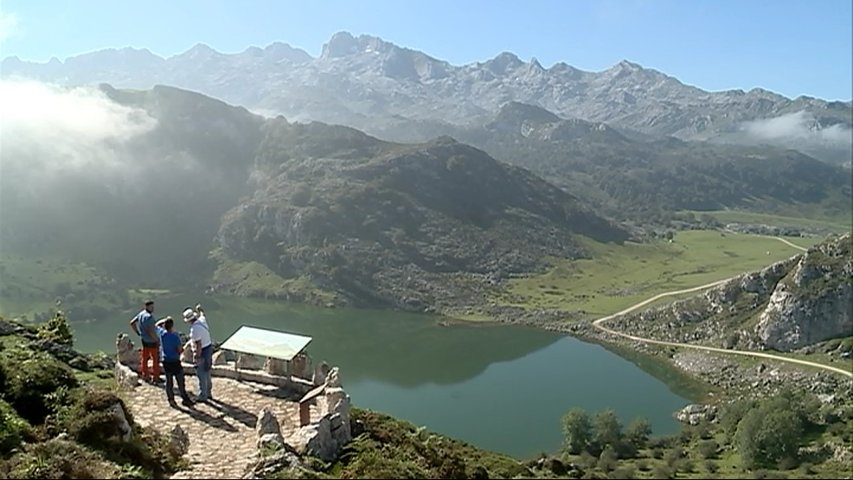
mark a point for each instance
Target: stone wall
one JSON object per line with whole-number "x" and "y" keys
{"x": 248, "y": 368}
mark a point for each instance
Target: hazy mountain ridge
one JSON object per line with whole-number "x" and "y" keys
{"x": 384, "y": 89}
{"x": 404, "y": 226}
{"x": 325, "y": 206}
{"x": 629, "y": 173}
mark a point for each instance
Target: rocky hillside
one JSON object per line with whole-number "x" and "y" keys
{"x": 786, "y": 306}
{"x": 307, "y": 211}
{"x": 405, "y": 226}
{"x": 631, "y": 174}
{"x": 403, "y": 94}
{"x": 60, "y": 416}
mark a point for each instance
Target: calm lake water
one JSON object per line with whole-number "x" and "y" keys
{"x": 502, "y": 388}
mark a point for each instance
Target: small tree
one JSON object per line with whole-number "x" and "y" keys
{"x": 608, "y": 430}
{"x": 57, "y": 330}
{"x": 767, "y": 435}
{"x": 707, "y": 448}
{"x": 577, "y": 430}
{"x": 638, "y": 432}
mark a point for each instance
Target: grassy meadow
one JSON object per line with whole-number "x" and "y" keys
{"x": 620, "y": 275}
{"x": 838, "y": 224}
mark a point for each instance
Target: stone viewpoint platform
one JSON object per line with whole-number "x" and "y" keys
{"x": 257, "y": 407}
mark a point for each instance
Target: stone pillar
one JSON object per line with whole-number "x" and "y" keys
{"x": 298, "y": 365}
{"x": 219, "y": 358}
{"x": 247, "y": 361}
{"x": 274, "y": 366}
{"x": 320, "y": 373}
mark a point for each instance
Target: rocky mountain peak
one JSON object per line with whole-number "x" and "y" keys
{"x": 340, "y": 45}
{"x": 199, "y": 51}
{"x": 517, "y": 112}
{"x": 503, "y": 63}
{"x": 278, "y": 51}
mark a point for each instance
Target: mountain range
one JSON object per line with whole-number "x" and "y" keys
{"x": 401, "y": 94}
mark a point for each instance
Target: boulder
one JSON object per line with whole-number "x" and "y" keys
{"x": 338, "y": 404}
{"x": 333, "y": 379}
{"x": 125, "y": 377}
{"x": 8, "y": 328}
{"x": 179, "y": 440}
{"x": 277, "y": 463}
{"x": 695, "y": 414}
{"x": 121, "y": 420}
{"x": 315, "y": 440}
{"x": 126, "y": 354}
{"x": 187, "y": 354}
{"x": 272, "y": 441}
{"x": 267, "y": 423}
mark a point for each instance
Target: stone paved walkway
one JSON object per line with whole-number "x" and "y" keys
{"x": 222, "y": 433}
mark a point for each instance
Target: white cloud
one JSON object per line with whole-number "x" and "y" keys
{"x": 9, "y": 24}
{"x": 799, "y": 126}
{"x": 49, "y": 133}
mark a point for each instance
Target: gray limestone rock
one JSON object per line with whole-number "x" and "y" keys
{"x": 267, "y": 423}
{"x": 179, "y": 440}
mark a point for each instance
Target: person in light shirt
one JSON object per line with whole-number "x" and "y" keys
{"x": 202, "y": 348}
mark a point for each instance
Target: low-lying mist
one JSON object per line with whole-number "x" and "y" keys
{"x": 802, "y": 131}
{"x": 127, "y": 184}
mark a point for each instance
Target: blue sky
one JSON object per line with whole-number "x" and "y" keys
{"x": 791, "y": 47}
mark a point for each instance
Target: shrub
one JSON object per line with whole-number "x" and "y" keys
{"x": 627, "y": 472}
{"x": 672, "y": 456}
{"x": 768, "y": 434}
{"x": 807, "y": 468}
{"x": 59, "y": 459}
{"x": 57, "y": 330}
{"x": 638, "y": 432}
{"x": 13, "y": 428}
{"x": 788, "y": 463}
{"x": 31, "y": 377}
{"x": 89, "y": 419}
{"x": 662, "y": 471}
{"x": 707, "y": 449}
{"x": 711, "y": 467}
{"x": 686, "y": 465}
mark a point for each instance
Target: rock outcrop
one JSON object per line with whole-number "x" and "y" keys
{"x": 785, "y": 306}
{"x": 815, "y": 303}
{"x": 125, "y": 352}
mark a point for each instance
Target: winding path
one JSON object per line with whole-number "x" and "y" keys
{"x": 599, "y": 325}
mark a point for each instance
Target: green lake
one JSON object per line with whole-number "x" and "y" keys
{"x": 502, "y": 388}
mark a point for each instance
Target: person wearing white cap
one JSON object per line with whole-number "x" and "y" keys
{"x": 202, "y": 348}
